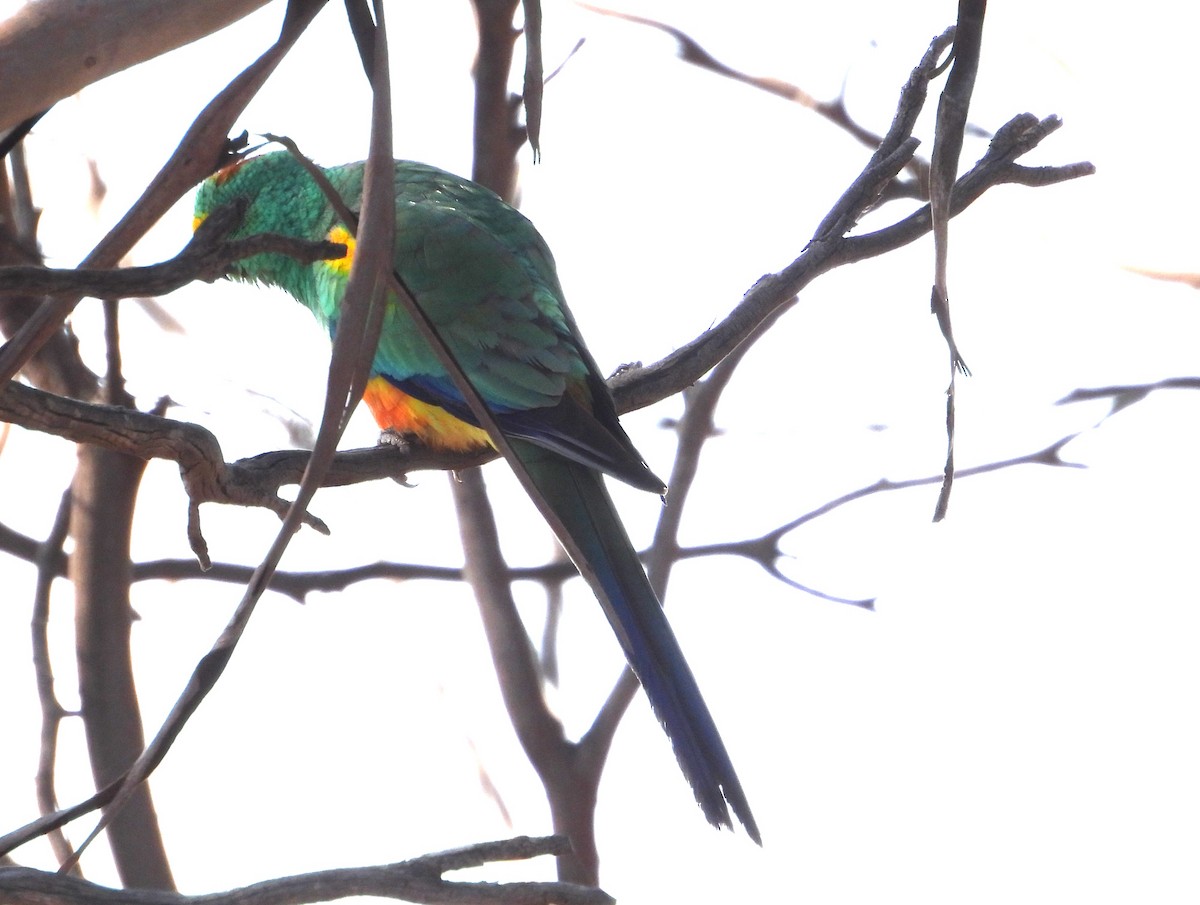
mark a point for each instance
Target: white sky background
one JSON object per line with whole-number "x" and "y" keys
{"x": 1017, "y": 718}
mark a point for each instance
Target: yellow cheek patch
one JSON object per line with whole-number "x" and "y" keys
{"x": 197, "y": 220}
{"x": 341, "y": 236}
{"x": 435, "y": 427}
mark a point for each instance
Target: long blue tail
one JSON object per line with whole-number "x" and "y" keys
{"x": 596, "y": 541}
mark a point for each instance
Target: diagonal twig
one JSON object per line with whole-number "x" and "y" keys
{"x": 947, "y": 147}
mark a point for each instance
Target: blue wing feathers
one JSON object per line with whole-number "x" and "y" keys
{"x": 597, "y": 542}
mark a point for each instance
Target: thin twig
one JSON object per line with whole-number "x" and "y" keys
{"x": 947, "y": 147}
{"x": 49, "y": 558}
{"x": 765, "y": 550}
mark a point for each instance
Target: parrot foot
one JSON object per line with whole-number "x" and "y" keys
{"x": 391, "y": 437}
{"x": 402, "y": 442}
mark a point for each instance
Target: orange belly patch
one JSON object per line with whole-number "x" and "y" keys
{"x": 435, "y": 427}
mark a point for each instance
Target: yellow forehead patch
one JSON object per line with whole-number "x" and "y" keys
{"x": 341, "y": 236}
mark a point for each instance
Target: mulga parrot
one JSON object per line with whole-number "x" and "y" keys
{"x": 486, "y": 279}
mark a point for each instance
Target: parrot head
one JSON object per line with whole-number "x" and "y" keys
{"x": 277, "y": 196}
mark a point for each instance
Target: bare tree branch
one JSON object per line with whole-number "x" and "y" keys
{"x": 1124, "y": 395}
{"x": 91, "y": 41}
{"x": 103, "y": 495}
{"x": 638, "y": 387}
{"x": 497, "y": 135}
{"x": 205, "y": 474}
{"x": 765, "y": 550}
{"x": 418, "y": 880}
{"x": 206, "y": 257}
{"x": 103, "y": 499}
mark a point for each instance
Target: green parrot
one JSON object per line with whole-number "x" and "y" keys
{"x": 487, "y": 280}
